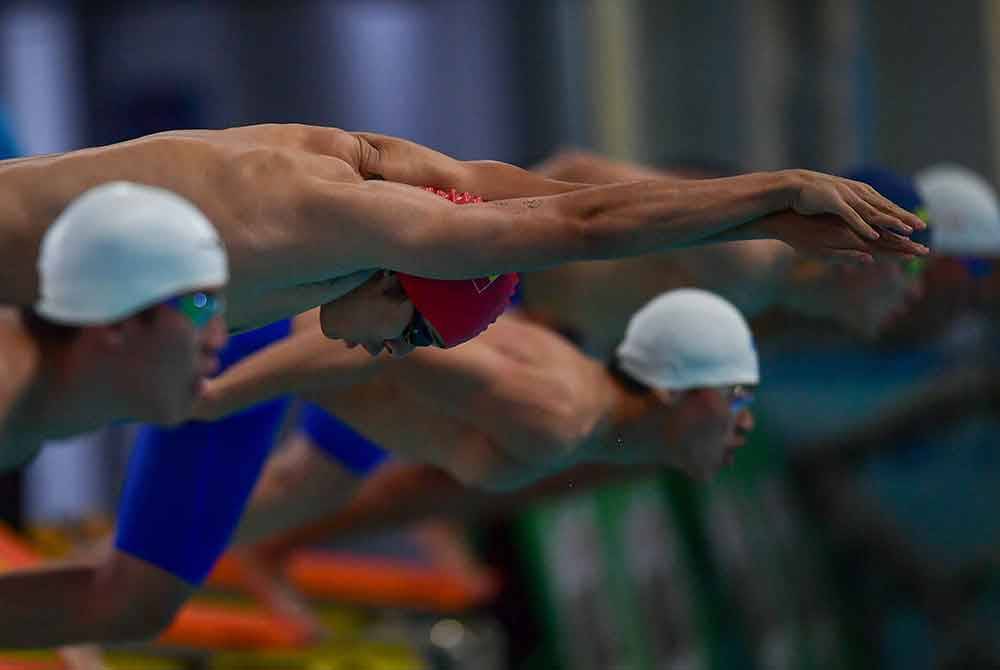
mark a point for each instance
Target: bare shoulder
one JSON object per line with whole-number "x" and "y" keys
{"x": 547, "y": 383}
{"x": 518, "y": 337}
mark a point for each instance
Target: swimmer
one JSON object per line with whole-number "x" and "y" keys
{"x": 674, "y": 397}
{"x": 963, "y": 286}
{"x": 127, "y": 325}
{"x": 309, "y": 213}
{"x": 862, "y": 299}
{"x": 522, "y": 402}
{"x": 592, "y": 301}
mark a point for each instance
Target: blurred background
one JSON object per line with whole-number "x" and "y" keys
{"x": 815, "y": 550}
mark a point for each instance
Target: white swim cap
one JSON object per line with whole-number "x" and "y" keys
{"x": 122, "y": 247}
{"x": 686, "y": 339}
{"x": 963, "y": 213}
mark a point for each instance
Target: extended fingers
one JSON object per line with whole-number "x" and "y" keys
{"x": 908, "y": 220}
{"x": 900, "y": 244}
{"x": 855, "y": 220}
{"x": 877, "y": 217}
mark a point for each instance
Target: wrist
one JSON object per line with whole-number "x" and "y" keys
{"x": 786, "y": 187}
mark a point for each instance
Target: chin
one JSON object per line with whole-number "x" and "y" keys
{"x": 175, "y": 413}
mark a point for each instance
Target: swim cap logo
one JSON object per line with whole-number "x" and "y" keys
{"x": 483, "y": 283}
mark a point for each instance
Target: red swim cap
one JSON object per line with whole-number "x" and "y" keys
{"x": 460, "y": 309}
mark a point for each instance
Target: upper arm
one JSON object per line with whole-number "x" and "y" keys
{"x": 304, "y": 361}
{"x": 380, "y": 224}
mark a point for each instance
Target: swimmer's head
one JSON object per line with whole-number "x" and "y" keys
{"x": 863, "y": 300}
{"x": 135, "y": 274}
{"x": 455, "y": 311}
{"x": 964, "y": 216}
{"x": 692, "y": 352}
{"x": 400, "y": 312}
{"x": 375, "y": 315}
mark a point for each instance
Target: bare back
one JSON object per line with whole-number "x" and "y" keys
{"x": 518, "y": 399}
{"x": 594, "y": 300}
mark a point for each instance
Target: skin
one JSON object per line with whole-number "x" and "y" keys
{"x": 594, "y": 300}
{"x": 560, "y": 408}
{"x": 586, "y": 223}
{"x": 565, "y": 406}
{"x": 372, "y": 316}
{"x": 307, "y": 213}
{"x": 437, "y": 407}
{"x": 457, "y": 455}
{"x": 65, "y": 387}
{"x": 62, "y": 388}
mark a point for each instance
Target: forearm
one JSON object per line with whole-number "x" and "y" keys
{"x": 304, "y": 362}
{"x": 298, "y": 487}
{"x": 55, "y": 605}
{"x": 395, "y": 494}
{"x": 594, "y": 223}
{"x": 399, "y": 493}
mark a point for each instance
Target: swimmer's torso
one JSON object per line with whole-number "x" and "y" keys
{"x": 596, "y": 299}
{"x": 520, "y": 401}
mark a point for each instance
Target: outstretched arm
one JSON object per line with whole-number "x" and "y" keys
{"x": 293, "y": 206}
{"x": 390, "y": 225}
{"x": 304, "y": 362}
